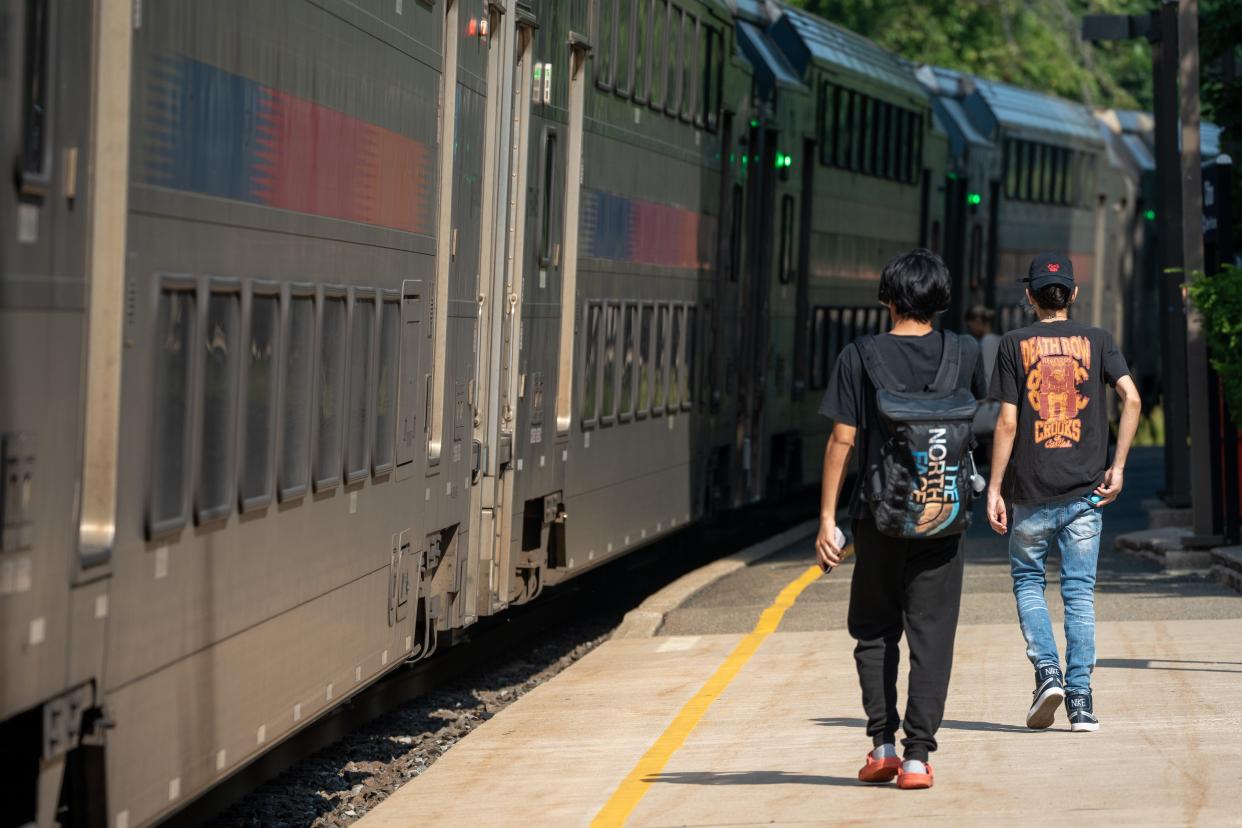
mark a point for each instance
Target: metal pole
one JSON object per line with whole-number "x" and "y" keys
{"x": 1169, "y": 238}
{"x": 1202, "y": 439}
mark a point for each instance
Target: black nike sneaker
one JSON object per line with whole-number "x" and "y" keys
{"x": 1081, "y": 716}
{"x": 1049, "y": 692}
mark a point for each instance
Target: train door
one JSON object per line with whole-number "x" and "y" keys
{"x": 504, "y": 186}
{"x": 754, "y": 290}
{"x": 454, "y": 306}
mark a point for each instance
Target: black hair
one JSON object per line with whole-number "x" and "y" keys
{"x": 916, "y": 284}
{"x": 1053, "y": 297}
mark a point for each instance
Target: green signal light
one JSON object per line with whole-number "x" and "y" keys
{"x": 1150, "y": 215}
{"x": 953, "y": 176}
{"x": 974, "y": 199}
{"x": 788, "y": 161}
{"x": 745, "y": 158}
{"x": 754, "y": 123}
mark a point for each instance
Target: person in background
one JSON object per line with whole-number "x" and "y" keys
{"x": 980, "y": 320}
{"x": 1050, "y": 463}
{"x": 900, "y": 586}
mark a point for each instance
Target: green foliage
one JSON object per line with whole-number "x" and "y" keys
{"x": 1031, "y": 43}
{"x": 1219, "y": 300}
{"x": 1151, "y": 428}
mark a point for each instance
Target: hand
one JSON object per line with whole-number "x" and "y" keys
{"x": 1111, "y": 487}
{"x": 998, "y": 515}
{"x": 827, "y": 552}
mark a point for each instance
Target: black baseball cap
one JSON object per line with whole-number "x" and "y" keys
{"x": 1050, "y": 269}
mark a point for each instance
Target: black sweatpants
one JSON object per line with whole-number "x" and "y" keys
{"x": 915, "y": 587}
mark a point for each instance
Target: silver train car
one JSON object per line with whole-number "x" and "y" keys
{"x": 327, "y": 329}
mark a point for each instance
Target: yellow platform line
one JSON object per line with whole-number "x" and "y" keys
{"x": 635, "y": 786}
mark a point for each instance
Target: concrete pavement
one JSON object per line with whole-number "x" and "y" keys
{"x": 780, "y": 742}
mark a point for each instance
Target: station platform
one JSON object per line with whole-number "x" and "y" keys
{"x": 744, "y": 709}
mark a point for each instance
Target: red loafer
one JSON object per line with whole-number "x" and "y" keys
{"x": 879, "y": 770}
{"x": 915, "y": 781}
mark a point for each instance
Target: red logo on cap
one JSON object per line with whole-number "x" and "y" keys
{"x": 1054, "y": 268}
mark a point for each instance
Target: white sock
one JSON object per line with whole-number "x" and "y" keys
{"x": 913, "y": 766}
{"x": 885, "y": 751}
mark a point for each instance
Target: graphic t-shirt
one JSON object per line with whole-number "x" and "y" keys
{"x": 1055, "y": 373}
{"x": 914, "y": 362}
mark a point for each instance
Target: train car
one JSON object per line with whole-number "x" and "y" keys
{"x": 242, "y": 379}
{"x": 860, "y": 161}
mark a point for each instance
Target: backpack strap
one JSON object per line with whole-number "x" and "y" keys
{"x": 950, "y": 364}
{"x": 880, "y": 376}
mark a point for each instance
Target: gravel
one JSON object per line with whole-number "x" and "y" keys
{"x": 344, "y": 781}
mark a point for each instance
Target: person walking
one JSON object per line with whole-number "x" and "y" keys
{"x": 1050, "y": 464}
{"x": 908, "y": 563}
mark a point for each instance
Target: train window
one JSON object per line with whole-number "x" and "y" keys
{"x": 830, "y": 149}
{"x": 623, "y": 67}
{"x": 361, "y": 344}
{"x": 916, "y": 170}
{"x": 673, "y": 39}
{"x": 176, "y": 317}
{"x": 1063, "y": 182}
{"x": 900, "y": 145}
{"x": 847, "y": 152}
{"x": 656, "y": 55}
{"x": 221, "y": 362}
{"x": 330, "y": 391}
{"x": 644, "y": 360}
{"x": 383, "y": 451}
{"x": 862, "y": 106}
{"x": 935, "y": 237}
{"x": 1053, "y": 186}
{"x": 875, "y": 138}
{"x": 687, "y": 376}
{"x": 735, "y": 233}
{"x": 819, "y": 346}
{"x": 689, "y": 66}
{"x": 298, "y": 356}
{"x": 1032, "y": 171}
{"x": 675, "y": 358}
{"x": 642, "y": 48}
{"x": 1045, "y": 165}
{"x": 626, "y": 398}
{"x": 259, "y": 400}
{"x": 659, "y": 391}
{"x": 785, "y": 259}
{"x": 715, "y": 72}
{"x": 1007, "y": 166}
{"x": 605, "y": 42}
{"x": 548, "y": 196}
{"x": 886, "y": 141}
{"x": 608, "y": 399}
{"x": 590, "y": 362}
{"x": 703, "y": 73}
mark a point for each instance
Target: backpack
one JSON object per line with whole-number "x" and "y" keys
{"x": 923, "y": 485}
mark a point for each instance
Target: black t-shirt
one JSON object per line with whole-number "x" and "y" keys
{"x": 914, "y": 361}
{"x": 1055, "y": 372}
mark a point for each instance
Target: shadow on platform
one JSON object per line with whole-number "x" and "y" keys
{"x": 950, "y": 724}
{"x": 1158, "y": 664}
{"x": 751, "y": 778}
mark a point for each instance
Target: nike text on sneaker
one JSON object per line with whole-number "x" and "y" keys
{"x": 1081, "y": 715}
{"x": 1048, "y": 695}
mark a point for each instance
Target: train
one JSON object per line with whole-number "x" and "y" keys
{"x": 329, "y": 327}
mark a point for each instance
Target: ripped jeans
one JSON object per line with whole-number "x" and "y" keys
{"x": 1075, "y": 525}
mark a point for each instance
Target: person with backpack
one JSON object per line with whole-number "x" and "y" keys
{"x": 906, "y": 400}
{"x": 1050, "y": 464}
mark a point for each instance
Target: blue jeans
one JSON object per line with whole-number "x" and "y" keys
{"x": 1075, "y": 525}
